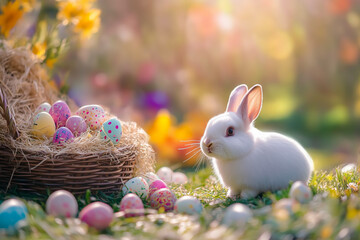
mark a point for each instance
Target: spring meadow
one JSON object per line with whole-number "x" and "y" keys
{"x": 193, "y": 119}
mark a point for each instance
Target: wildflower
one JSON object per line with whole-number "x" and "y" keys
{"x": 10, "y": 15}
{"x": 88, "y": 23}
{"x": 70, "y": 11}
{"x": 50, "y": 62}
{"x": 39, "y": 49}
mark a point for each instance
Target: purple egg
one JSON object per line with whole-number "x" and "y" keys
{"x": 77, "y": 125}
{"x": 62, "y": 135}
{"x": 60, "y": 112}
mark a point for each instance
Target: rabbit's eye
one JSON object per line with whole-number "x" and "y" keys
{"x": 230, "y": 131}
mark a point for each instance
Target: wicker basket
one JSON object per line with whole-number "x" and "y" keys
{"x": 38, "y": 171}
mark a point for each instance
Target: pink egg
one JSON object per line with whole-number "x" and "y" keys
{"x": 94, "y": 115}
{"x": 132, "y": 205}
{"x": 179, "y": 178}
{"x": 62, "y": 135}
{"x": 156, "y": 185}
{"x": 60, "y": 112}
{"x": 97, "y": 215}
{"x": 163, "y": 198}
{"x": 77, "y": 125}
{"x": 62, "y": 203}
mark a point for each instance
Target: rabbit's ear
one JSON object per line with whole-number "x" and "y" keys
{"x": 250, "y": 106}
{"x": 235, "y": 98}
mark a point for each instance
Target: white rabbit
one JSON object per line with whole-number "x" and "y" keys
{"x": 246, "y": 160}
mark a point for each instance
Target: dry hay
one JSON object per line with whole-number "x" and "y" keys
{"x": 25, "y": 84}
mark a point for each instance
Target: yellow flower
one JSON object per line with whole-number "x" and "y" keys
{"x": 39, "y": 49}
{"x": 10, "y": 15}
{"x": 50, "y": 62}
{"x": 88, "y": 23}
{"x": 27, "y": 5}
{"x": 69, "y": 11}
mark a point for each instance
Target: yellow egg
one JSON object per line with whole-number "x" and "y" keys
{"x": 43, "y": 125}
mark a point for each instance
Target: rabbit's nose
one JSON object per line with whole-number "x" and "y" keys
{"x": 207, "y": 142}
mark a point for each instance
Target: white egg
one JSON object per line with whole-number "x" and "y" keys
{"x": 179, "y": 178}
{"x": 348, "y": 168}
{"x": 62, "y": 203}
{"x": 150, "y": 177}
{"x": 189, "y": 205}
{"x": 44, "y": 107}
{"x": 165, "y": 174}
{"x": 138, "y": 186}
{"x": 300, "y": 192}
{"x": 285, "y": 204}
{"x": 237, "y": 214}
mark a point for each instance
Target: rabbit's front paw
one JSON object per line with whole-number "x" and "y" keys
{"x": 248, "y": 193}
{"x": 232, "y": 195}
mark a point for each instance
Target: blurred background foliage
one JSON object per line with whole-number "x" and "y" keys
{"x": 170, "y": 65}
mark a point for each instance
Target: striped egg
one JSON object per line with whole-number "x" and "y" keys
{"x": 94, "y": 115}
{"x": 111, "y": 130}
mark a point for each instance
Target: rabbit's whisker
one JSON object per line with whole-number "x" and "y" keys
{"x": 189, "y": 140}
{"x": 188, "y": 147}
{"x": 191, "y": 151}
{"x": 197, "y": 152}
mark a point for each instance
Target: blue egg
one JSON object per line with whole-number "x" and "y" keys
{"x": 11, "y": 212}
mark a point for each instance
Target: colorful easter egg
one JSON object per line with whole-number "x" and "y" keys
{"x": 43, "y": 125}
{"x": 132, "y": 205}
{"x": 165, "y": 174}
{"x": 179, "y": 178}
{"x": 77, "y": 125}
{"x": 163, "y": 198}
{"x": 136, "y": 185}
{"x": 60, "y": 112}
{"x": 94, "y": 115}
{"x": 111, "y": 130}
{"x": 12, "y": 212}
{"x": 150, "y": 177}
{"x": 97, "y": 215}
{"x": 156, "y": 185}
{"x": 44, "y": 107}
{"x": 237, "y": 214}
{"x": 300, "y": 192}
{"x": 62, "y": 203}
{"x": 62, "y": 135}
{"x": 189, "y": 205}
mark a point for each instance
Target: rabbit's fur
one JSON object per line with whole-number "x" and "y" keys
{"x": 246, "y": 160}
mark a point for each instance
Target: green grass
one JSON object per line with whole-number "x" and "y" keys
{"x": 334, "y": 212}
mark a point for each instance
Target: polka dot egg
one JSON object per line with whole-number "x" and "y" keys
{"x": 300, "y": 192}
{"x": 156, "y": 185}
{"x": 237, "y": 214}
{"x": 77, "y": 125}
{"x": 136, "y": 185}
{"x": 163, "y": 198}
{"x": 98, "y": 215}
{"x": 60, "y": 112}
{"x": 62, "y": 135}
{"x": 111, "y": 130}
{"x": 132, "y": 205}
{"x": 12, "y": 212}
{"x": 62, "y": 203}
{"x": 189, "y": 205}
{"x": 94, "y": 115}
{"x": 44, "y": 107}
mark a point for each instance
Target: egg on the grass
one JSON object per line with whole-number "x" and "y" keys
{"x": 62, "y": 203}
{"x": 163, "y": 198}
{"x": 179, "y": 178}
{"x": 98, "y": 215}
{"x": 132, "y": 205}
{"x": 12, "y": 212}
{"x": 237, "y": 214}
{"x": 189, "y": 205}
{"x": 150, "y": 177}
{"x": 165, "y": 174}
{"x": 156, "y": 185}
{"x": 136, "y": 185}
{"x": 300, "y": 192}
